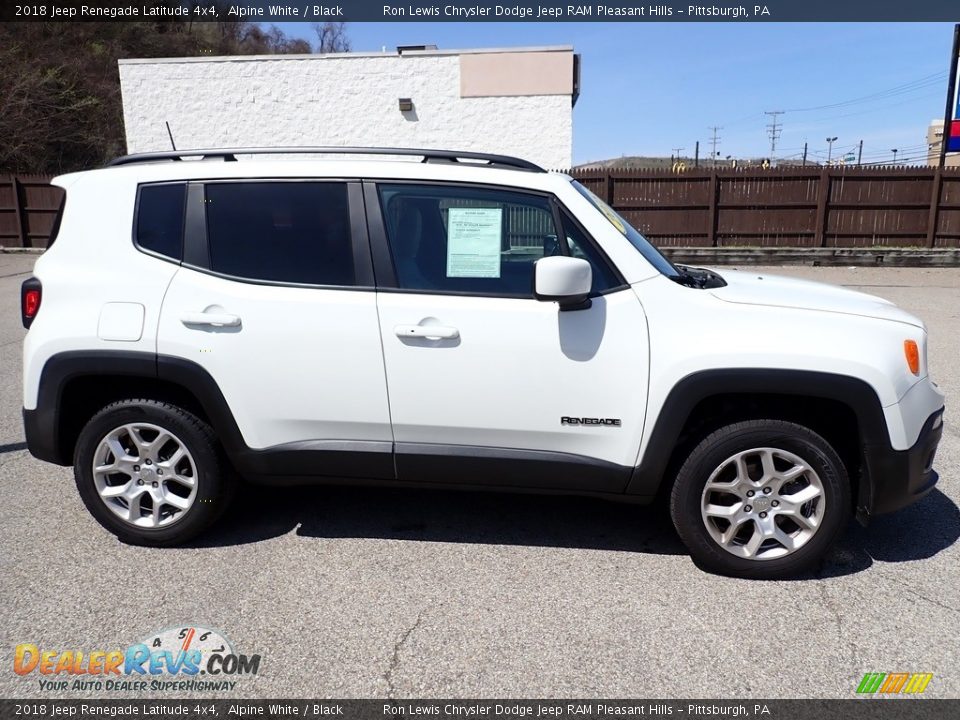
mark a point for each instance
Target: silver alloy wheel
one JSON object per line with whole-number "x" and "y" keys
{"x": 763, "y": 503}
{"x": 145, "y": 475}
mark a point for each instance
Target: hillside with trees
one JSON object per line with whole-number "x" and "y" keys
{"x": 60, "y": 106}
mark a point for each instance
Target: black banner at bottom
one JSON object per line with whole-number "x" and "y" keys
{"x": 873, "y": 708}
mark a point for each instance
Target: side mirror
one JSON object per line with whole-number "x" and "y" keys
{"x": 563, "y": 279}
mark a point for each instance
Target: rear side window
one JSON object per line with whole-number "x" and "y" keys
{"x": 159, "y": 224}
{"x": 290, "y": 232}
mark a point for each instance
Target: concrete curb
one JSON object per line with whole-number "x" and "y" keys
{"x": 866, "y": 257}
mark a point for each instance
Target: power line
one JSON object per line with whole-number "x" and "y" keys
{"x": 897, "y": 95}
{"x": 920, "y": 159}
{"x": 920, "y": 83}
{"x": 904, "y": 151}
{"x": 912, "y": 100}
{"x": 881, "y": 99}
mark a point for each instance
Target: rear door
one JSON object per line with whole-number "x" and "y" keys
{"x": 487, "y": 385}
{"x": 275, "y": 302}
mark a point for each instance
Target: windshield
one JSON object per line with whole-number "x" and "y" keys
{"x": 649, "y": 252}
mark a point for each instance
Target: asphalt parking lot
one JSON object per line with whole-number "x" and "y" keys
{"x": 350, "y": 592}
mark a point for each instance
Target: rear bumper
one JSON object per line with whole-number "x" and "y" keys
{"x": 897, "y": 478}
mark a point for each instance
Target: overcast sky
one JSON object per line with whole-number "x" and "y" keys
{"x": 648, "y": 88}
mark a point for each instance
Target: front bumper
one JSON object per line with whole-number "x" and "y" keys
{"x": 894, "y": 479}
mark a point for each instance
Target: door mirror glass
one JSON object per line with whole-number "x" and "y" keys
{"x": 563, "y": 279}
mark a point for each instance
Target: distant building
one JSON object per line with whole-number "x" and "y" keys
{"x": 934, "y": 143}
{"x": 516, "y": 101}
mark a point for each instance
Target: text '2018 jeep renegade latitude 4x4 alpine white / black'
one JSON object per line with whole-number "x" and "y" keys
{"x": 464, "y": 321}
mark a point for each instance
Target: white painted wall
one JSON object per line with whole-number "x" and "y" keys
{"x": 334, "y": 100}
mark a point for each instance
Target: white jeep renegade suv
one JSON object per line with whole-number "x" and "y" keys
{"x": 466, "y": 321}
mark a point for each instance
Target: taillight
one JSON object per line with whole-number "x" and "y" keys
{"x": 30, "y": 295}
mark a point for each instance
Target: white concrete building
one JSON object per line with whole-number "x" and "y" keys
{"x": 516, "y": 101}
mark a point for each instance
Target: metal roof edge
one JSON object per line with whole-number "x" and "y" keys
{"x": 343, "y": 56}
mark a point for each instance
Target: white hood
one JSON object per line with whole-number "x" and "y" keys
{"x": 754, "y": 288}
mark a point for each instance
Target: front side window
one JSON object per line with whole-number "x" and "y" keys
{"x": 159, "y": 224}
{"x": 581, "y": 247}
{"x": 289, "y": 232}
{"x": 469, "y": 240}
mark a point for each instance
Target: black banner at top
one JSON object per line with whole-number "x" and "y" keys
{"x": 480, "y": 11}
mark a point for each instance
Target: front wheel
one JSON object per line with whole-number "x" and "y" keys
{"x": 150, "y": 472}
{"x": 761, "y": 499}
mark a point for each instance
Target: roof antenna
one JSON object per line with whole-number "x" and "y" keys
{"x": 172, "y": 143}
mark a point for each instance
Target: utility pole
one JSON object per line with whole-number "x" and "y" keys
{"x": 804, "y": 154}
{"x": 948, "y": 112}
{"x": 860, "y": 154}
{"x": 773, "y": 131}
{"x": 696, "y": 154}
{"x": 714, "y": 141}
{"x": 675, "y": 156}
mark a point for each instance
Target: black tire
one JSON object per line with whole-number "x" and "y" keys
{"x": 687, "y": 495}
{"x": 214, "y": 483}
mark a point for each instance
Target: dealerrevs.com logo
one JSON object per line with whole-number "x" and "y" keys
{"x": 178, "y": 659}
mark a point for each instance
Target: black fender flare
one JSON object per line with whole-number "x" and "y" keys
{"x": 853, "y": 392}
{"x": 42, "y": 425}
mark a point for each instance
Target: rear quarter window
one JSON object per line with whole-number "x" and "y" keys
{"x": 158, "y": 226}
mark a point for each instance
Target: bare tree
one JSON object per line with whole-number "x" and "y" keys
{"x": 331, "y": 37}
{"x": 60, "y": 105}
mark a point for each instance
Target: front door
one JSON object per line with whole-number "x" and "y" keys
{"x": 487, "y": 385}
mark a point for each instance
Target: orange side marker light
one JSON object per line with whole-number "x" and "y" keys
{"x": 912, "y": 354}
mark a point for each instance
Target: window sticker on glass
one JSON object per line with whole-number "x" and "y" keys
{"x": 473, "y": 242}
{"x": 612, "y": 217}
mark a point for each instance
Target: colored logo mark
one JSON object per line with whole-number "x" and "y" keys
{"x": 894, "y": 683}
{"x": 953, "y": 137}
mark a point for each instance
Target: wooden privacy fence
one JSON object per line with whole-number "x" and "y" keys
{"x": 28, "y": 207}
{"x": 778, "y": 207}
{"x": 787, "y": 207}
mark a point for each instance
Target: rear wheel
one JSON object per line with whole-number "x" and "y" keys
{"x": 760, "y": 499}
{"x": 151, "y": 473}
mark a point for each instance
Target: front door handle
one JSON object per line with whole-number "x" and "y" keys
{"x": 433, "y": 332}
{"x": 213, "y": 319}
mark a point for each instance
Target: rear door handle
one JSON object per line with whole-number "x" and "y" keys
{"x": 441, "y": 332}
{"x": 214, "y": 319}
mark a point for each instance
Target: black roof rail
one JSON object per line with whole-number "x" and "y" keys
{"x": 230, "y": 155}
